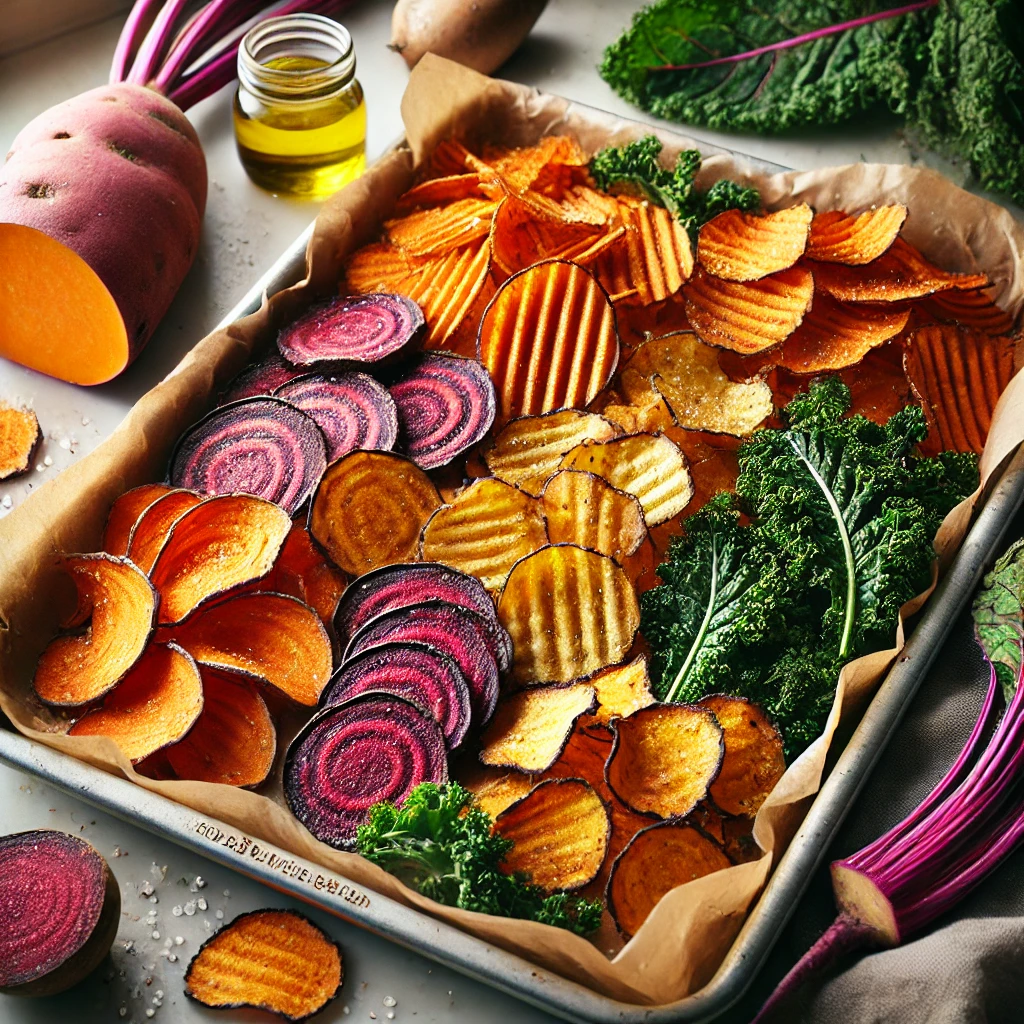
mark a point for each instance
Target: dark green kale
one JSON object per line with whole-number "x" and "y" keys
{"x": 998, "y": 613}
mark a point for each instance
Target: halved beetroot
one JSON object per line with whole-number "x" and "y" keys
{"x": 261, "y": 446}
{"x": 349, "y": 757}
{"x": 416, "y": 671}
{"x": 446, "y": 403}
{"x": 355, "y": 329}
{"x": 262, "y": 379}
{"x": 352, "y": 410}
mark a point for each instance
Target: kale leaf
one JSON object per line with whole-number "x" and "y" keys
{"x": 999, "y": 616}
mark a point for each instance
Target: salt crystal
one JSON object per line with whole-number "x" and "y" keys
{"x": 219, "y": 915}
{"x": 389, "y": 1001}
{"x": 86, "y": 421}
{"x": 227, "y": 892}
{"x": 151, "y": 1013}
{"x": 156, "y": 935}
{"x": 190, "y": 908}
{"x": 178, "y": 940}
{"x": 122, "y": 1011}
{"x": 7, "y": 502}
{"x": 345, "y": 1010}
{"x": 202, "y": 904}
{"x": 40, "y": 468}
{"x": 65, "y": 443}
{"x": 199, "y": 883}
{"x": 177, "y": 911}
{"x": 172, "y": 957}
{"x": 168, "y": 942}
{"x": 159, "y": 993}
{"x": 146, "y": 889}
{"x": 391, "y": 1015}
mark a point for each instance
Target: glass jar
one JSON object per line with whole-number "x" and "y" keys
{"x": 300, "y": 116}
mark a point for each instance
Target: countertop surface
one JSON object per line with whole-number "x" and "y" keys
{"x": 173, "y": 899}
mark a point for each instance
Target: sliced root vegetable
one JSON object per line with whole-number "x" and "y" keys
{"x": 446, "y": 404}
{"x": 379, "y": 267}
{"x": 233, "y": 741}
{"x": 621, "y": 690}
{"x": 971, "y": 309}
{"x": 351, "y": 409}
{"x": 440, "y": 230}
{"x": 370, "y": 509}
{"x": 355, "y": 329}
{"x": 447, "y": 288}
{"x": 302, "y": 571}
{"x": 121, "y": 606}
{"x": 494, "y": 788}
{"x": 737, "y": 246}
{"x": 560, "y": 830}
{"x": 352, "y": 756}
{"x": 656, "y": 252}
{"x": 486, "y": 529}
{"x": 263, "y": 378}
{"x": 657, "y": 860}
{"x": 125, "y": 513}
{"x": 854, "y": 238}
{"x": 220, "y": 544}
{"x": 569, "y": 611}
{"x": 19, "y": 436}
{"x": 270, "y": 637}
{"x": 155, "y": 705}
{"x": 60, "y": 907}
{"x": 274, "y": 960}
{"x": 418, "y": 672}
{"x": 441, "y": 191}
{"x": 531, "y": 728}
{"x": 153, "y": 527}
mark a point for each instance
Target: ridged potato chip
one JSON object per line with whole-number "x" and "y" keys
{"x": 153, "y": 527}
{"x": 495, "y": 788}
{"x": 446, "y": 288}
{"x": 854, "y": 238}
{"x": 621, "y": 690}
{"x": 378, "y": 267}
{"x": 738, "y": 246}
{"x": 972, "y": 309}
{"x": 439, "y": 230}
{"x": 124, "y": 514}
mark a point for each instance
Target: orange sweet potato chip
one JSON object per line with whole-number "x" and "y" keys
{"x": 124, "y": 514}
{"x": 120, "y": 604}
{"x": 524, "y": 233}
{"x": 560, "y": 830}
{"x": 737, "y": 246}
{"x": 302, "y": 571}
{"x": 446, "y": 288}
{"x": 521, "y": 168}
{"x": 153, "y": 527}
{"x": 621, "y": 690}
{"x": 439, "y": 230}
{"x": 378, "y": 267}
{"x": 854, "y": 238}
{"x": 441, "y": 191}
{"x": 972, "y": 309}
{"x": 495, "y": 788}
{"x": 19, "y": 435}
{"x": 274, "y": 960}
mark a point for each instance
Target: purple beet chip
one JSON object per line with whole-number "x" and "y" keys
{"x": 349, "y": 757}
{"x": 262, "y": 379}
{"x": 260, "y": 446}
{"x": 446, "y": 403}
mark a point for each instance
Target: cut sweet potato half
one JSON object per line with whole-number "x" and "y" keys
{"x": 19, "y": 436}
{"x": 302, "y": 571}
{"x": 125, "y": 513}
{"x": 153, "y": 527}
{"x": 738, "y": 246}
{"x": 854, "y": 239}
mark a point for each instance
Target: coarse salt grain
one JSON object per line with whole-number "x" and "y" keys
{"x": 202, "y": 904}
{"x": 389, "y": 1001}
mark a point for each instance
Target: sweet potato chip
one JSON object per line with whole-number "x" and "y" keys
{"x": 302, "y": 571}
{"x": 621, "y": 690}
{"x": 530, "y": 728}
{"x": 854, "y": 238}
{"x": 753, "y": 761}
{"x": 441, "y": 191}
{"x": 369, "y": 510}
{"x": 570, "y": 612}
{"x": 274, "y": 960}
{"x": 656, "y": 861}
{"x": 737, "y": 246}
{"x": 973, "y": 309}
{"x": 264, "y": 636}
{"x": 449, "y": 157}
{"x": 378, "y": 267}
{"x": 648, "y": 465}
{"x": 495, "y": 788}
{"x": 524, "y": 233}
{"x": 124, "y": 514}
{"x": 153, "y": 527}
{"x": 441, "y": 229}
{"x": 560, "y": 830}
{"x": 485, "y": 530}
{"x": 959, "y": 376}
{"x": 548, "y": 339}
{"x": 520, "y": 168}
{"x": 748, "y": 317}
{"x": 666, "y": 756}
{"x": 878, "y": 386}
{"x": 529, "y": 449}
{"x": 19, "y": 435}
{"x": 155, "y": 705}
{"x": 122, "y": 605}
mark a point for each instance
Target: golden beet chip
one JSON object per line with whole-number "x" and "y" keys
{"x": 369, "y": 510}
{"x": 656, "y": 861}
{"x": 302, "y": 571}
{"x": 125, "y": 512}
{"x": 585, "y": 510}
{"x": 959, "y": 376}
{"x": 853, "y": 238}
{"x": 153, "y": 527}
{"x": 560, "y": 830}
{"x": 485, "y": 530}
{"x": 266, "y": 636}
{"x": 274, "y": 960}
{"x": 233, "y": 741}
{"x": 222, "y": 542}
{"x": 378, "y": 267}
{"x": 529, "y": 449}
{"x": 973, "y": 309}
{"x": 122, "y": 604}
{"x": 569, "y": 612}
{"x": 648, "y": 465}
{"x": 19, "y": 435}
{"x": 748, "y": 317}
{"x": 548, "y": 339}
{"x": 439, "y": 230}
{"x": 753, "y": 761}
{"x": 737, "y": 246}
{"x": 495, "y": 788}
{"x": 622, "y": 689}
{"x": 666, "y": 756}
{"x": 530, "y": 728}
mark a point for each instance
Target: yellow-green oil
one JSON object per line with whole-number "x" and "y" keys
{"x": 308, "y": 148}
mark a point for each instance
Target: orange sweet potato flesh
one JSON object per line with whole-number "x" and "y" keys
{"x": 302, "y": 571}
{"x": 153, "y": 527}
{"x": 19, "y": 435}
{"x": 125, "y": 513}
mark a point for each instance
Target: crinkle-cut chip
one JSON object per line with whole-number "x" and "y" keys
{"x": 753, "y": 761}
{"x": 520, "y": 168}
{"x": 648, "y": 465}
{"x": 447, "y": 158}
{"x": 585, "y": 510}
{"x": 441, "y": 229}
{"x": 530, "y": 728}
{"x": 560, "y": 830}
{"x": 570, "y": 612}
{"x": 972, "y": 309}
{"x": 656, "y": 861}
{"x": 622, "y": 689}
{"x": 666, "y": 757}
{"x": 548, "y": 339}
{"x": 738, "y": 246}
{"x": 274, "y": 960}
{"x": 150, "y": 532}
{"x": 529, "y": 449}
{"x": 378, "y": 267}
{"x": 222, "y": 542}
{"x": 19, "y": 435}
{"x": 233, "y": 741}
{"x": 124, "y": 514}
{"x": 370, "y": 509}
{"x": 900, "y": 273}
{"x": 495, "y": 788}
{"x": 271, "y": 637}
{"x": 446, "y": 287}
{"x": 854, "y": 238}
{"x": 302, "y": 571}
{"x": 751, "y": 316}
{"x": 485, "y": 531}
{"x": 441, "y": 191}
{"x": 155, "y": 705}
{"x": 959, "y": 376}
{"x": 122, "y": 604}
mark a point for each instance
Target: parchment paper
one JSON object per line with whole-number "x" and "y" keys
{"x": 685, "y": 938}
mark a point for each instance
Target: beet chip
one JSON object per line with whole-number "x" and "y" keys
{"x": 125, "y": 513}
{"x": 262, "y": 379}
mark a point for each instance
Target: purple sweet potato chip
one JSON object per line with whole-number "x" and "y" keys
{"x": 263, "y": 378}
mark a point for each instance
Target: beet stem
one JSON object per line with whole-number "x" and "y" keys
{"x": 131, "y": 36}
{"x": 157, "y": 38}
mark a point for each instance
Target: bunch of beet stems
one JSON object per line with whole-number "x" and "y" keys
{"x": 918, "y": 870}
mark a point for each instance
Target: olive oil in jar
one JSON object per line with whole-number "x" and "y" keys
{"x": 300, "y": 115}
